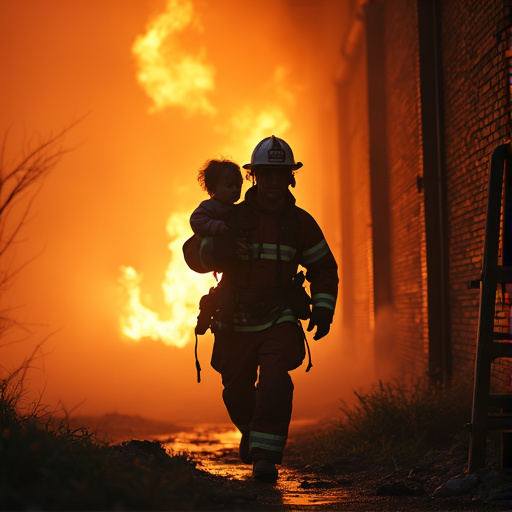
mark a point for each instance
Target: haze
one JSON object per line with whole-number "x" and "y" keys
{"x": 256, "y": 69}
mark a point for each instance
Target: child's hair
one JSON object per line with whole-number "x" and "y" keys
{"x": 209, "y": 174}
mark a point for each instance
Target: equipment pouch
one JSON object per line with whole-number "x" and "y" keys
{"x": 207, "y": 309}
{"x": 299, "y": 300}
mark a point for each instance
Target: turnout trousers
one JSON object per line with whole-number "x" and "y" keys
{"x": 258, "y": 390}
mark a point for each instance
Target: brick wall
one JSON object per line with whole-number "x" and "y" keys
{"x": 476, "y": 120}
{"x": 404, "y": 155}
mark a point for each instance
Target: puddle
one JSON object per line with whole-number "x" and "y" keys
{"x": 215, "y": 449}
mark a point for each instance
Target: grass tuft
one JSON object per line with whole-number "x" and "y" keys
{"x": 46, "y": 465}
{"x": 397, "y": 421}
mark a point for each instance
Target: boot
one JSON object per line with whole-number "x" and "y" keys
{"x": 264, "y": 471}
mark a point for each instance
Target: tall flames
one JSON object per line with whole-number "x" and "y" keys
{"x": 173, "y": 75}
{"x": 170, "y": 75}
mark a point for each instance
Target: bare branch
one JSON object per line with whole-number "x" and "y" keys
{"x": 19, "y": 179}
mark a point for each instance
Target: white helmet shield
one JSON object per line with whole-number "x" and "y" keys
{"x": 273, "y": 152}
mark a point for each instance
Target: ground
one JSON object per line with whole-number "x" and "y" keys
{"x": 349, "y": 486}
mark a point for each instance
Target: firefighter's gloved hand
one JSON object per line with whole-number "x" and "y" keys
{"x": 242, "y": 249}
{"x": 321, "y": 318}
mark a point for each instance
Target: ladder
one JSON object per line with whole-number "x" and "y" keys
{"x": 493, "y": 411}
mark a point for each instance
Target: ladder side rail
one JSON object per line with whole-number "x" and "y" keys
{"x": 507, "y": 209}
{"x": 482, "y": 376}
{"x": 505, "y": 349}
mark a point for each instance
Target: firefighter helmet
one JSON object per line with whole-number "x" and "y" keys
{"x": 273, "y": 152}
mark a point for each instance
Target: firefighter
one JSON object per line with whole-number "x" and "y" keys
{"x": 268, "y": 238}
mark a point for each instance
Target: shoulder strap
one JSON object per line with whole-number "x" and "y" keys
{"x": 290, "y": 228}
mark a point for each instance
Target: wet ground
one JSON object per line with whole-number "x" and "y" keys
{"x": 317, "y": 488}
{"x": 215, "y": 449}
{"x": 349, "y": 485}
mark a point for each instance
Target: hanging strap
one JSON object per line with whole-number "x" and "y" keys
{"x": 310, "y": 364}
{"x": 198, "y": 366}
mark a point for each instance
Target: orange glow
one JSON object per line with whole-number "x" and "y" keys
{"x": 168, "y": 73}
{"x": 183, "y": 288}
{"x": 182, "y": 291}
{"x": 171, "y": 76}
{"x": 104, "y": 241}
{"x": 251, "y": 124}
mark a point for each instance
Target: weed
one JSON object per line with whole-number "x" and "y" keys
{"x": 398, "y": 420}
{"x": 46, "y": 465}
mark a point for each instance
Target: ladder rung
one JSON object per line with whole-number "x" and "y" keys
{"x": 502, "y": 336}
{"x": 503, "y": 274}
{"x": 499, "y": 422}
{"x": 501, "y": 400}
{"x": 501, "y": 350}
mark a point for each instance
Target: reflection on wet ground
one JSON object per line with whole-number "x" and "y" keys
{"x": 215, "y": 449}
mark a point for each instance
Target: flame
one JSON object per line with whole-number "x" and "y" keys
{"x": 172, "y": 76}
{"x": 182, "y": 290}
{"x": 182, "y": 287}
{"x": 169, "y": 75}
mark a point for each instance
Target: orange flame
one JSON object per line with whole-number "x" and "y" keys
{"x": 182, "y": 287}
{"x": 182, "y": 290}
{"x": 169, "y": 75}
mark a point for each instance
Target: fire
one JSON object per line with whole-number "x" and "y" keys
{"x": 172, "y": 76}
{"x": 182, "y": 290}
{"x": 169, "y": 75}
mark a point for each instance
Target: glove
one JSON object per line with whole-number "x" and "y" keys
{"x": 321, "y": 318}
{"x": 242, "y": 249}
{"x": 229, "y": 249}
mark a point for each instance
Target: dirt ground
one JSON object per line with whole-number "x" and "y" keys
{"x": 349, "y": 486}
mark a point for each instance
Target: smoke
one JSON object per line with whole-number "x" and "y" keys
{"x": 164, "y": 86}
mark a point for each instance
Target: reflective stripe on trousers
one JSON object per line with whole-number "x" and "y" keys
{"x": 268, "y": 442}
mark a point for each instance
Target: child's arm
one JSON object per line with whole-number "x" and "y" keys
{"x": 203, "y": 224}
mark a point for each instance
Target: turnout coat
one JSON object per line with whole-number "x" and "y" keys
{"x": 259, "y": 259}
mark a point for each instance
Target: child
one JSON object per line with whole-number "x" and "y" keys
{"x": 222, "y": 180}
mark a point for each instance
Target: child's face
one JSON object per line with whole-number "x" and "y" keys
{"x": 228, "y": 188}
